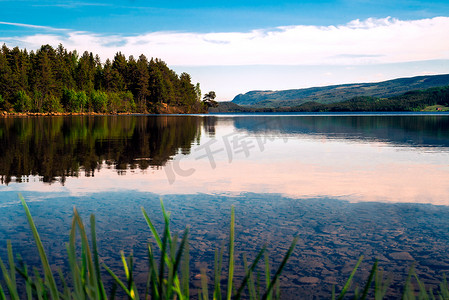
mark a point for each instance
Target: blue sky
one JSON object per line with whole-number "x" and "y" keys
{"x": 134, "y": 17}
{"x": 236, "y": 46}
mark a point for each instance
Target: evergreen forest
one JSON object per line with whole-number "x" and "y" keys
{"x": 55, "y": 80}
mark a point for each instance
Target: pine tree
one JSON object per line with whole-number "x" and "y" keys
{"x": 142, "y": 81}
{"x": 44, "y": 81}
{"x": 56, "y": 80}
{"x": 119, "y": 64}
{"x": 6, "y": 86}
{"x": 85, "y": 72}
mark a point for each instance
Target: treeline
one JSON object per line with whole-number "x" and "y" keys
{"x": 410, "y": 101}
{"x": 57, "y": 80}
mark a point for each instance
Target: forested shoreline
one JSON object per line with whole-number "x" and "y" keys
{"x": 411, "y": 101}
{"x": 55, "y": 80}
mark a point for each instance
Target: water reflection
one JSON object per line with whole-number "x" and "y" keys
{"x": 401, "y": 130}
{"x": 358, "y": 158}
{"x": 57, "y": 147}
{"x": 301, "y": 179}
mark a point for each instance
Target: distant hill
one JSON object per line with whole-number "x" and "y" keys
{"x": 431, "y": 99}
{"x": 339, "y": 93}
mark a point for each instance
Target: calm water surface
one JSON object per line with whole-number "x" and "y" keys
{"x": 347, "y": 185}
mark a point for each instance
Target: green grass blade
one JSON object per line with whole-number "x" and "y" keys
{"x": 231, "y": 254}
{"x": 349, "y": 281}
{"x": 185, "y": 272}
{"x": 125, "y": 264}
{"x": 408, "y": 292}
{"x": 74, "y": 268}
{"x": 177, "y": 262}
{"x": 66, "y": 294}
{"x": 12, "y": 267}
{"x": 251, "y": 288}
{"x": 88, "y": 264}
{"x": 12, "y": 287}
{"x": 217, "y": 273}
{"x": 278, "y": 290}
{"x": 248, "y": 273}
{"x": 267, "y": 275}
{"x": 370, "y": 280}
{"x": 39, "y": 284}
{"x": 152, "y": 228}
{"x": 118, "y": 281}
{"x": 281, "y": 267}
{"x": 49, "y": 279}
{"x": 131, "y": 283}
{"x": 204, "y": 284}
{"x": 166, "y": 216}
{"x": 101, "y": 291}
{"x": 149, "y": 282}
{"x": 28, "y": 283}
{"x": 380, "y": 286}
{"x": 154, "y": 283}
{"x": 444, "y": 291}
{"x": 171, "y": 271}
{"x": 29, "y": 287}
{"x": 162, "y": 288}
{"x": 2, "y": 293}
{"x": 422, "y": 288}
{"x": 181, "y": 248}
{"x": 113, "y": 291}
{"x": 128, "y": 267}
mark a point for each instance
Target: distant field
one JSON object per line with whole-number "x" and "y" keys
{"x": 436, "y": 108}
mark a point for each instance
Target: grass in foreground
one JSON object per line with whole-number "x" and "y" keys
{"x": 168, "y": 277}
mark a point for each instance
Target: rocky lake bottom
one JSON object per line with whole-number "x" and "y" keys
{"x": 333, "y": 234}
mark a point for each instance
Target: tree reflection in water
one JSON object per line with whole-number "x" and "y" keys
{"x": 56, "y": 147}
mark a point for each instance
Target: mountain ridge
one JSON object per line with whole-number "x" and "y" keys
{"x": 338, "y": 93}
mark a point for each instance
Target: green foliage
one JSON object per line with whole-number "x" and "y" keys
{"x": 69, "y": 100}
{"x": 52, "y": 104}
{"x": 22, "y": 102}
{"x": 50, "y": 74}
{"x": 99, "y": 101}
{"x": 168, "y": 278}
{"x": 81, "y": 101}
{"x": 127, "y": 100}
{"x": 121, "y": 102}
{"x": 376, "y": 286}
{"x": 74, "y": 101}
{"x": 208, "y": 99}
{"x": 4, "y": 105}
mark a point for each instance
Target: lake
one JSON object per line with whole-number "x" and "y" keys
{"x": 345, "y": 184}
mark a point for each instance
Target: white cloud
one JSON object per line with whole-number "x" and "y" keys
{"x": 46, "y": 28}
{"x": 278, "y": 58}
{"x": 370, "y": 41}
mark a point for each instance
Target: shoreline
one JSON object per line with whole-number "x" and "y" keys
{"x": 4, "y": 114}
{"x": 55, "y": 114}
